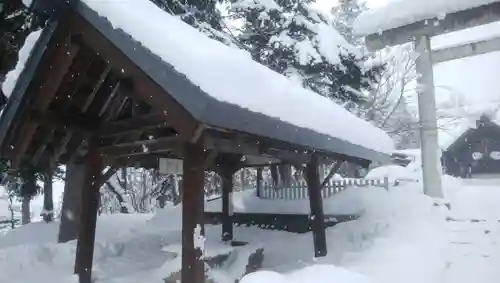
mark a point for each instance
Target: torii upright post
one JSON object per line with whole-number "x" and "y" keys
{"x": 427, "y": 114}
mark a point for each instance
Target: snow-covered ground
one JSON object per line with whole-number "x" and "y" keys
{"x": 402, "y": 236}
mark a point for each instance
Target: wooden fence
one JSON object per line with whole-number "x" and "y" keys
{"x": 299, "y": 190}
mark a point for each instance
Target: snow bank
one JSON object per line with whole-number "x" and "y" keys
{"x": 399, "y": 13}
{"x": 12, "y": 76}
{"x": 246, "y": 83}
{"x": 400, "y": 237}
{"x": 345, "y": 202}
{"x": 412, "y": 243}
{"x": 311, "y": 274}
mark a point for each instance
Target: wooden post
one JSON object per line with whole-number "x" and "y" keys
{"x": 48, "y": 200}
{"x": 259, "y": 182}
{"x": 193, "y": 214}
{"x": 227, "y": 209}
{"x": 316, "y": 204}
{"x": 71, "y": 206}
{"x": 431, "y": 163}
{"x": 89, "y": 207}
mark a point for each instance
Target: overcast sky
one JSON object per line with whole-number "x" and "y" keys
{"x": 474, "y": 77}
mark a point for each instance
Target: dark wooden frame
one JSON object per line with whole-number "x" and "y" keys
{"x": 116, "y": 115}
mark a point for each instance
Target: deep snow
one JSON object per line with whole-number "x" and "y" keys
{"x": 402, "y": 236}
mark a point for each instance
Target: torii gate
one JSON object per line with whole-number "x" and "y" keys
{"x": 419, "y": 32}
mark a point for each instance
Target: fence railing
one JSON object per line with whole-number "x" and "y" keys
{"x": 299, "y": 190}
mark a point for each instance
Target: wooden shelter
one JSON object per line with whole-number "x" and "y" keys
{"x": 91, "y": 94}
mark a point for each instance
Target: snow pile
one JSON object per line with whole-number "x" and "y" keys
{"x": 413, "y": 246}
{"x": 312, "y": 274}
{"x": 401, "y": 236}
{"x": 399, "y": 13}
{"x": 12, "y": 76}
{"x": 348, "y": 201}
{"x": 247, "y": 83}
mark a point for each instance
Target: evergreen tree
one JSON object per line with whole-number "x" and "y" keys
{"x": 344, "y": 15}
{"x": 301, "y": 43}
{"x": 16, "y": 23}
{"x": 203, "y": 15}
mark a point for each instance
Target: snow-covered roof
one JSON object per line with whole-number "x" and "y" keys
{"x": 230, "y": 78}
{"x": 24, "y": 53}
{"x": 399, "y": 13}
{"x": 449, "y": 136}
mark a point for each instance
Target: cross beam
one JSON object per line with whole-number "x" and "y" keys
{"x": 152, "y": 120}
{"x": 482, "y": 15}
{"x": 466, "y": 50}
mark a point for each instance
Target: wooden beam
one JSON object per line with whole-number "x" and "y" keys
{"x": 140, "y": 123}
{"x": 84, "y": 108}
{"x": 105, "y": 177}
{"x": 102, "y": 77}
{"x": 40, "y": 150}
{"x": 193, "y": 199}
{"x": 63, "y": 57}
{"x": 316, "y": 204}
{"x": 466, "y": 50}
{"x": 227, "y": 204}
{"x": 259, "y": 181}
{"x": 256, "y": 147}
{"x": 109, "y": 99}
{"x": 141, "y": 147}
{"x": 75, "y": 122}
{"x": 227, "y": 165}
{"x": 90, "y": 205}
{"x": 335, "y": 168}
{"x": 144, "y": 87}
{"x": 80, "y": 68}
{"x": 452, "y": 22}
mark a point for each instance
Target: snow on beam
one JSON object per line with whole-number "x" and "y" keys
{"x": 466, "y": 50}
{"x": 431, "y": 27}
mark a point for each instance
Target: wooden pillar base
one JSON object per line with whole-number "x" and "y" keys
{"x": 193, "y": 200}
{"x": 316, "y": 203}
{"x": 89, "y": 207}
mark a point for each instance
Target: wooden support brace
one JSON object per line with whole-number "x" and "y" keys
{"x": 316, "y": 203}
{"x": 105, "y": 177}
{"x": 193, "y": 199}
{"x": 332, "y": 172}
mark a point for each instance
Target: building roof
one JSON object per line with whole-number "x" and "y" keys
{"x": 218, "y": 85}
{"x": 267, "y": 103}
{"x": 462, "y": 132}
